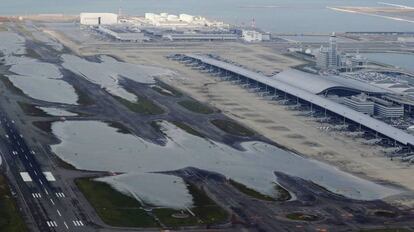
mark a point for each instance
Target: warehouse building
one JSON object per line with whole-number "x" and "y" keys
{"x": 98, "y": 19}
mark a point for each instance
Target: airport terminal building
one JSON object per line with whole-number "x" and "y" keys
{"x": 311, "y": 89}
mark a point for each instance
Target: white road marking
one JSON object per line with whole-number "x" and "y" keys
{"x": 34, "y": 172}
{"x": 30, "y": 164}
{"x": 78, "y": 223}
{"x": 60, "y": 215}
{"x": 51, "y": 223}
{"x": 60, "y": 194}
{"x": 49, "y": 176}
{"x": 51, "y": 200}
{"x": 36, "y": 195}
{"x": 66, "y": 225}
{"x": 40, "y": 181}
{"x": 26, "y": 177}
{"x": 47, "y": 193}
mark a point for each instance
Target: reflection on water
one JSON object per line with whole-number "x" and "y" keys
{"x": 151, "y": 188}
{"x": 38, "y": 80}
{"x": 94, "y": 145}
{"x": 108, "y": 71}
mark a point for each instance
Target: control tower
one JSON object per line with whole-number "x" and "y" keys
{"x": 333, "y": 52}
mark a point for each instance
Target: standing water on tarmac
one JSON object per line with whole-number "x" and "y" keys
{"x": 92, "y": 145}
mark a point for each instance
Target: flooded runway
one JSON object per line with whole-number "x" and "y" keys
{"x": 93, "y": 145}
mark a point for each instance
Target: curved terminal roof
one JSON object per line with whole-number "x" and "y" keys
{"x": 318, "y": 84}
{"x": 355, "y": 116}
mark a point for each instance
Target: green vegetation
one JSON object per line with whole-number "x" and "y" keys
{"x": 32, "y": 110}
{"x": 142, "y": 106}
{"x": 10, "y": 86}
{"x": 63, "y": 164}
{"x": 302, "y": 217}
{"x": 24, "y": 30}
{"x": 32, "y": 53}
{"x": 117, "y": 209}
{"x": 10, "y": 219}
{"x": 385, "y": 213}
{"x": 250, "y": 192}
{"x": 156, "y": 126}
{"x": 232, "y": 127}
{"x": 121, "y": 128}
{"x": 282, "y": 194}
{"x": 161, "y": 87}
{"x": 206, "y": 210}
{"x": 45, "y": 126}
{"x": 113, "y": 207}
{"x": 181, "y": 125}
{"x": 3, "y": 28}
{"x": 196, "y": 107}
{"x": 166, "y": 217}
{"x": 83, "y": 98}
{"x": 185, "y": 127}
{"x": 387, "y": 230}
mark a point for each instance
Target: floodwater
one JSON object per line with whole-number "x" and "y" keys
{"x": 155, "y": 189}
{"x": 93, "y": 145}
{"x": 41, "y": 81}
{"x": 108, "y": 72}
{"x": 56, "y": 111}
{"x": 272, "y": 15}
{"x": 36, "y": 79}
{"x": 11, "y": 44}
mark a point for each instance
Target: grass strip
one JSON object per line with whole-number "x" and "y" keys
{"x": 31, "y": 110}
{"x": 10, "y": 218}
{"x": 45, "y": 126}
{"x": 185, "y": 127}
{"x": 161, "y": 87}
{"x": 196, "y": 107}
{"x": 206, "y": 211}
{"x": 142, "y": 106}
{"x": 114, "y": 207}
{"x": 250, "y": 192}
{"x": 232, "y": 127}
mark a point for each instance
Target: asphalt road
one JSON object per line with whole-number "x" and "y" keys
{"x": 46, "y": 202}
